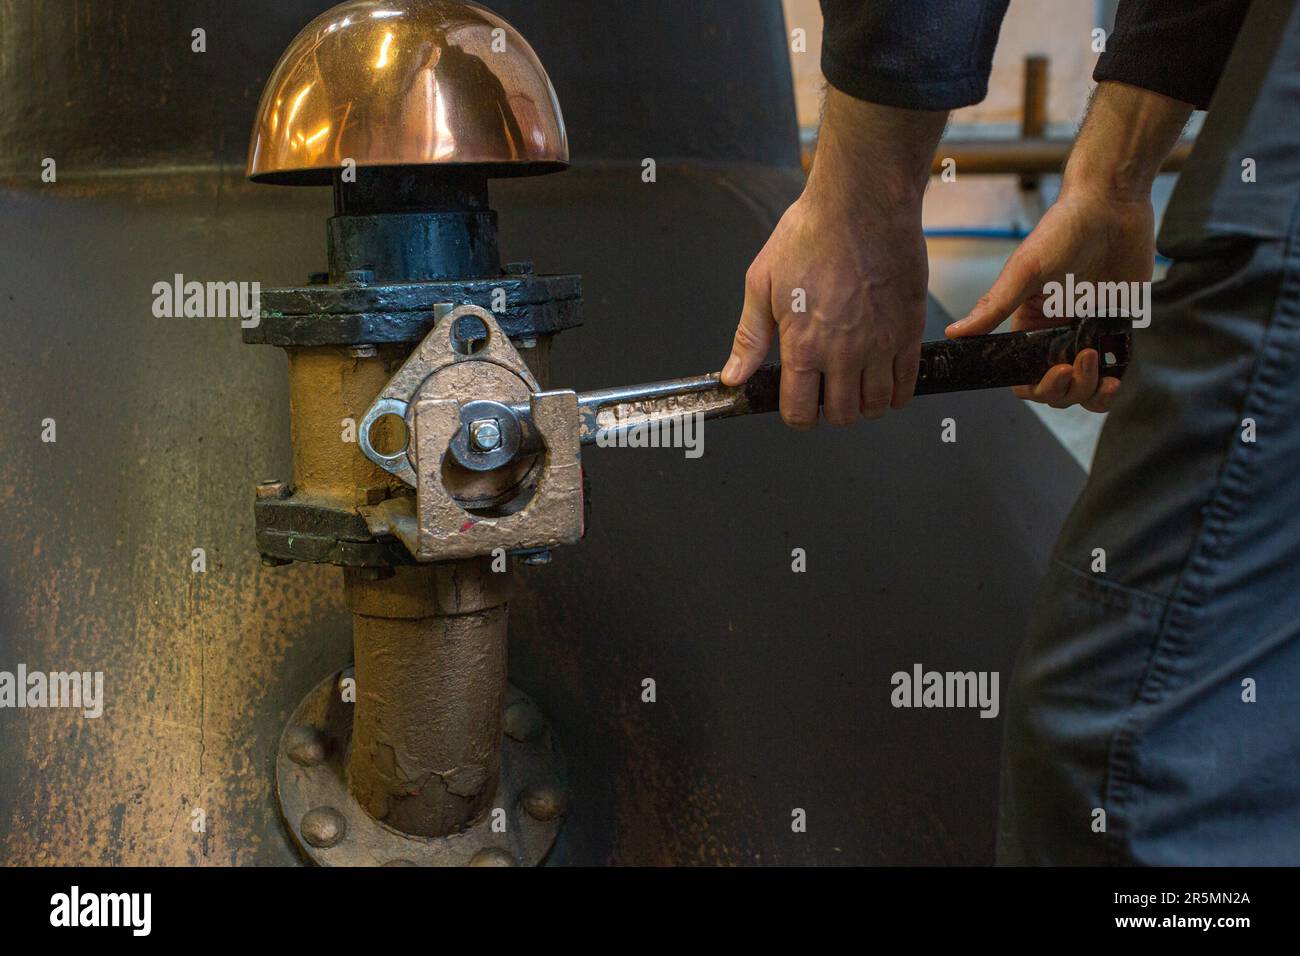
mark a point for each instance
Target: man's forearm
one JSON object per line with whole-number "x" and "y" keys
{"x": 1126, "y": 137}
{"x": 872, "y": 159}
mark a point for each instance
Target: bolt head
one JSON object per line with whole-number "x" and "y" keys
{"x": 523, "y": 721}
{"x": 305, "y": 745}
{"x": 543, "y": 801}
{"x": 492, "y": 856}
{"x": 323, "y": 827}
{"x": 485, "y": 434}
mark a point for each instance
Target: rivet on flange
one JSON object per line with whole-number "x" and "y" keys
{"x": 323, "y": 827}
{"x": 492, "y": 856}
{"x": 543, "y": 801}
{"x": 305, "y": 745}
{"x": 523, "y": 721}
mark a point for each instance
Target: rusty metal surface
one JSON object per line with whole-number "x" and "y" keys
{"x": 329, "y": 387}
{"x": 451, "y": 514}
{"x": 773, "y": 685}
{"x": 164, "y": 428}
{"x": 436, "y": 370}
{"x": 403, "y": 312}
{"x": 330, "y": 828}
{"x": 430, "y": 650}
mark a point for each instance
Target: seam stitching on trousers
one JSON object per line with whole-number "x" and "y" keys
{"x": 1151, "y": 605}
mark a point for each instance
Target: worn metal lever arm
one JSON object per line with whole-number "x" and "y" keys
{"x": 947, "y": 365}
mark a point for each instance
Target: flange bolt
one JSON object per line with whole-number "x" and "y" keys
{"x": 323, "y": 827}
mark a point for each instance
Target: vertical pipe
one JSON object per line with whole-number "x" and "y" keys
{"x": 430, "y": 645}
{"x": 1033, "y": 115}
{"x": 429, "y": 640}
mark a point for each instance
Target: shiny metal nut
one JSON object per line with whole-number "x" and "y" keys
{"x": 485, "y": 433}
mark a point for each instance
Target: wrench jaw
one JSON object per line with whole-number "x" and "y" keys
{"x": 454, "y": 381}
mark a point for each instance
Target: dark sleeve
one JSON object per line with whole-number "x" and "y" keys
{"x": 916, "y": 54}
{"x": 1174, "y": 47}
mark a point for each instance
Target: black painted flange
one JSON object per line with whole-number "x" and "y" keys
{"x": 359, "y": 312}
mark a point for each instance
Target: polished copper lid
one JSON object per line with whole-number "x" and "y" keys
{"x": 406, "y": 82}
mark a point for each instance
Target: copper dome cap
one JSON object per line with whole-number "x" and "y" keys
{"x": 406, "y": 82}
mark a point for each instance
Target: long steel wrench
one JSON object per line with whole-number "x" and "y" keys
{"x": 947, "y": 365}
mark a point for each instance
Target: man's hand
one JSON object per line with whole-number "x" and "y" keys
{"x": 843, "y": 276}
{"x": 1100, "y": 229}
{"x": 1096, "y": 238}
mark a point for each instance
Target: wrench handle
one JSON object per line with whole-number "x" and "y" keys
{"x": 988, "y": 361}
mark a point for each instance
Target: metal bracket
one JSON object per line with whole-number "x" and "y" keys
{"x": 446, "y": 345}
{"x": 466, "y": 364}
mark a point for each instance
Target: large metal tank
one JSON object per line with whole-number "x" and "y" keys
{"x": 773, "y": 688}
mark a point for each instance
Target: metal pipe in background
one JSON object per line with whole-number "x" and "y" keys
{"x": 1033, "y": 111}
{"x": 1030, "y": 156}
{"x": 1022, "y": 156}
{"x": 1010, "y": 157}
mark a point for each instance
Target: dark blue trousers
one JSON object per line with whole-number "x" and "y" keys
{"x": 1154, "y": 713}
